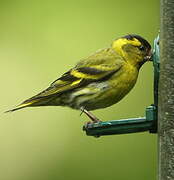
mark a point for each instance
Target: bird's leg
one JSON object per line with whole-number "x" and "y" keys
{"x": 90, "y": 115}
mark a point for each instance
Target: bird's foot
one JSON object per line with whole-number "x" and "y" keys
{"x": 91, "y": 116}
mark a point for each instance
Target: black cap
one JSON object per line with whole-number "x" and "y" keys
{"x": 142, "y": 40}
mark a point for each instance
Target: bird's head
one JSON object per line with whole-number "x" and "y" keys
{"x": 133, "y": 48}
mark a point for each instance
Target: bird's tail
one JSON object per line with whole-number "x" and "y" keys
{"x": 34, "y": 101}
{"x": 45, "y": 98}
{"x": 27, "y": 103}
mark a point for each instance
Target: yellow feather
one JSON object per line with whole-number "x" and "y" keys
{"x": 103, "y": 68}
{"x": 76, "y": 82}
{"x": 84, "y": 76}
{"x": 119, "y": 43}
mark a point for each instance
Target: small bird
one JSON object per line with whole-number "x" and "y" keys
{"x": 98, "y": 81}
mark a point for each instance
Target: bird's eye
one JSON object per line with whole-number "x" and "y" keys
{"x": 141, "y": 48}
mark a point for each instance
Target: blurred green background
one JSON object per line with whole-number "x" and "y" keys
{"x": 40, "y": 40}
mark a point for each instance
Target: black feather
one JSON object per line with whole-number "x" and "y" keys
{"x": 90, "y": 70}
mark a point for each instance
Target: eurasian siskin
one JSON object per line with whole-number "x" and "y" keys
{"x": 98, "y": 81}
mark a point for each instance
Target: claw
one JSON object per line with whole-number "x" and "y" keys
{"x": 82, "y": 111}
{"x": 90, "y": 115}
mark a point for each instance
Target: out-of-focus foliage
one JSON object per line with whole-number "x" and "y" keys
{"x": 40, "y": 40}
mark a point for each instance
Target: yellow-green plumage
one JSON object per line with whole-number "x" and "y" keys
{"x": 98, "y": 81}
